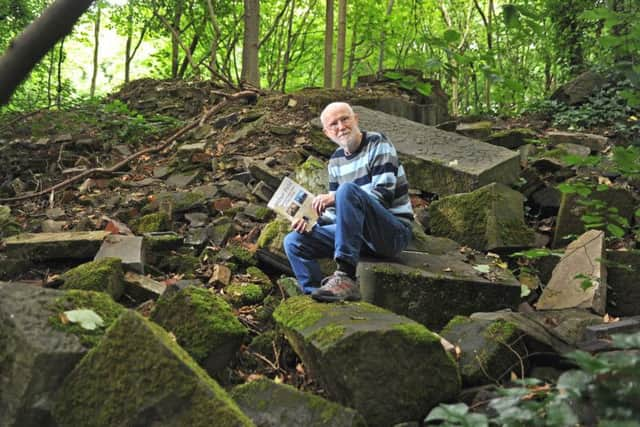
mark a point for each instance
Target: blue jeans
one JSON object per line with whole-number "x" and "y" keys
{"x": 363, "y": 225}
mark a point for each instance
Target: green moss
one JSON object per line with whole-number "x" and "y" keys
{"x": 299, "y": 312}
{"x": 258, "y": 275}
{"x": 183, "y": 264}
{"x": 262, "y": 213}
{"x": 200, "y": 321}
{"x": 150, "y": 223}
{"x": 456, "y": 321}
{"x": 242, "y": 255}
{"x": 500, "y": 331}
{"x": 328, "y": 335}
{"x": 244, "y": 293}
{"x": 104, "y": 275}
{"x": 273, "y": 234}
{"x": 139, "y": 366}
{"x": 162, "y": 242}
{"x": 416, "y": 333}
{"x": 99, "y": 302}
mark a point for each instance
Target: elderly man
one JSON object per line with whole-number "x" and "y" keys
{"x": 367, "y": 209}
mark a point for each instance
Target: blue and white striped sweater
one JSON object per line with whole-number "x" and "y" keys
{"x": 375, "y": 168}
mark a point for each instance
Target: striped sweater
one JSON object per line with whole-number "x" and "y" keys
{"x": 375, "y": 168}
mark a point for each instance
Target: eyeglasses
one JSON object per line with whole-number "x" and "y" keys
{"x": 334, "y": 125}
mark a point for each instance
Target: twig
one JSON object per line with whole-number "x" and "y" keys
{"x": 90, "y": 172}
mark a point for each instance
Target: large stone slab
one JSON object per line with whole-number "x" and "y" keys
{"x": 442, "y": 162}
{"x": 138, "y": 376}
{"x": 433, "y": 287}
{"x": 489, "y": 218}
{"x": 579, "y": 280}
{"x": 387, "y": 367}
{"x": 37, "y": 351}
{"x": 48, "y": 246}
{"x": 128, "y": 248}
{"x": 270, "y": 404}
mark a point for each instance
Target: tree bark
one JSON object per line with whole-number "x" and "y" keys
{"x": 41, "y": 35}
{"x": 328, "y": 45}
{"x": 96, "y": 47}
{"x": 383, "y": 38}
{"x": 250, "y": 64}
{"x": 342, "y": 36}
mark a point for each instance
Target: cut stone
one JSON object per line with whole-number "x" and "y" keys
{"x": 103, "y": 275}
{"x": 399, "y": 370}
{"x": 128, "y": 248}
{"x": 313, "y": 175}
{"x": 51, "y": 246}
{"x": 490, "y": 218}
{"x": 491, "y": 350}
{"x": 432, "y": 288}
{"x": 477, "y": 130}
{"x": 262, "y": 191}
{"x": 270, "y": 404}
{"x": 236, "y": 190}
{"x": 594, "y": 142}
{"x": 442, "y": 162}
{"x": 579, "y": 280}
{"x": 182, "y": 180}
{"x": 142, "y": 288}
{"x": 152, "y": 381}
{"x": 203, "y": 324}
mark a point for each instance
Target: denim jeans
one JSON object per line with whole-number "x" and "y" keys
{"x": 363, "y": 225}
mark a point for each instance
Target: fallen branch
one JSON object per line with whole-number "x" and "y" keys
{"x": 94, "y": 171}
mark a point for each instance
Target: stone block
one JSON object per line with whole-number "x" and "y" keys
{"x": 80, "y": 245}
{"x": 138, "y": 376}
{"x": 442, "y": 162}
{"x": 103, "y": 275}
{"x": 128, "y": 248}
{"x": 387, "y": 367}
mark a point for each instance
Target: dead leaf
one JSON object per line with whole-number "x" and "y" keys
{"x": 300, "y": 369}
{"x": 610, "y": 319}
{"x": 64, "y": 319}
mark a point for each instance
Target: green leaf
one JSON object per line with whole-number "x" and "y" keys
{"x": 524, "y": 291}
{"x": 451, "y": 36}
{"x": 424, "y": 88}
{"x": 88, "y": 319}
{"x": 590, "y": 219}
{"x": 574, "y": 382}
{"x": 511, "y": 16}
{"x": 615, "y": 230}
{"x": 626, "y": 341}
{"x": 393, "y": 75}
{"x": 482, "y": 268}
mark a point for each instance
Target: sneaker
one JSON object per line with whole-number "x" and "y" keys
{"x": 337, "y": 287}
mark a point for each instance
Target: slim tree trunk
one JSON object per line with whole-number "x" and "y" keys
{"x": 34, "y": 42}
{"x": 175, "y": 38}
{"x": 342, "y": 35}
{"x": 96, "y": 46}
{"x": 250, "y": 64}
{"x": 60, "y": 61}
{"x": 328, "y": 45}
{"x": 383, "y": 39}
{"x": 352, "y": 55}
{"x": 287, "y": 52}
{"x": 213, "y": 62}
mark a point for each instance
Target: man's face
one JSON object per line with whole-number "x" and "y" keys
{"x": 341, "y": 126}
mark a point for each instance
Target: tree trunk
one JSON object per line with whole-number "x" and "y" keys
{"x": 352, "y": 55}
{"x": 213, "y": 62}
{"x": 96, "y": 45}
{"x": 287, "y": 52}
{"x": 328, "y": 45}
{"x": 383, "y": 37}
{"x": 34, "y": 42}
{"x": 175, "y": 38}
{"x": 60, "y": 61}
{"x": 342, "y": 35}
{"x": 250, "y": 64}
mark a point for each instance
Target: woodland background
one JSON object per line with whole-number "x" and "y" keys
{"x": 490, "y": 56}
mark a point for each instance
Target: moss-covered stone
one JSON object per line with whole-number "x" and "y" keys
{"x": 99, "y": 302}
{"x": 490, "y": 349}
{"x": 103, "y": 275}
{"x": 239, "y": 294}
{"x": 386, "y": 366}
{"x": 138, "y": 376}
{"x": 242, "y": 256}
{"x": 272, "y": 235}
{"x": 179, "y": 263}
{"x": 150, "y": 223}
{"x": 162, "y": 242}
{"x": 278, "y": 405}
{"x": 203, "y": 324}
{"x": 489, "y": 218}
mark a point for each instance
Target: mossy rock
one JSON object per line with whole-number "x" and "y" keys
{"x": 491, "y": 350}
{"x": 8, "y": 226}
{"x": 179, "y": 263}
{"x": 203, "y": 324}
{"x": 137, "y": 375}
{"x": 151, "y": 223}
{"x": 278, "y": 405}
{"x": 511, "y": 138}
{"x": 489, "y": 218}
{"x": 258, "y": 276}
{"x": 99, "y": 302}
{"x": 177, "y": 201}
{"x": 104, "y": 275}
{"x": 242, "y": 256}
{"x": 162, "y": 242}
{"x": 239, "y": 294}
{"x": 313, "y": 175}
{"x": 272, "y": 235}
{"x": 388, "y": 367}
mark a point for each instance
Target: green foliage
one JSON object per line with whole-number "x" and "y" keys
{"x": 603, "y": 391}
{"x": 409, "y": 82}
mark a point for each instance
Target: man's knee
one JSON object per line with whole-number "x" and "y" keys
{"x": 349, "y": 190}
{"x": 291, "y": 242}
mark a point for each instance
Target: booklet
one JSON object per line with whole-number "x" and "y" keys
{"x": 293, "y": 201}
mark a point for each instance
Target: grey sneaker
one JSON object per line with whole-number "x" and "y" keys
{"x": 337, "y": 287}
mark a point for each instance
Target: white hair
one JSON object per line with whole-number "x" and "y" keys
{"x": 332, "y": 106}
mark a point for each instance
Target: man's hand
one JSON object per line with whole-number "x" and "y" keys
{"x": 322, "y": 202}
{"x": 300, "y": 225}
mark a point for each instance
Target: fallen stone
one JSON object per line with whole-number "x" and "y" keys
{"x": 188, "y": 149}
{"x": 400, "y": 369}
{"x": 220, "y": 231}
{"x": 579, "y": 89}
{"x": 491, "y": 350}
{"x": 442, "y": 162}
{"x": 569, "y": 216}
{"x": 142, "y": 288}
{"x": 152, "y": 381}
{"x": 595, "y": 143}
{"x": 37, "y": 351}
{"x": 51, "y": 226}
{"x": 162, "y": 241}
{"x": 262, "y": 191}
{"x": 55, "y": 213}
{"x": 103, "y": 275}
{"x": 490, "y": 218}
{"x": 221, "y": 275}
{"x": 204, "y": 326}
{"x": 240, "y": 294}
{"x": 51, "y": 246}
{"x": 278, "y": 405}
{"x": 511, "y": 138}
{"x": 128, "y": 248}
{"x": 196, "y": 237}
{"x": 197, "y": 219}
{"x": 623, "y": 292}
{"x": 152, "y": 223}
{"x": 313, "y": 175}
{"x": 629, "y": 325}
{"x": 433, "y": 287}
{"x": 182, "y": 180}
{"x": 573, "y": 149}
{"x": 244, "y": 177}
{"x": 236, "y": 190}
{"x": 579, "y": 279}
{"x": 476, "y": 130}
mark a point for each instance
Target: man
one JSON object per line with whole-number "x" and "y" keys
{"x": 367, "y": 209}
